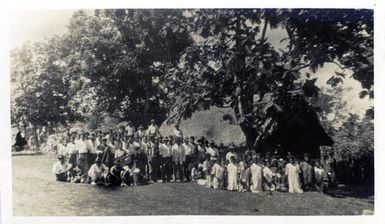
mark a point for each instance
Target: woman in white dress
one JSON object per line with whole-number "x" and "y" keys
{"x": 256, "y": 176}
{"x": 292, "y": 172}
{"x": 232, "y": 178}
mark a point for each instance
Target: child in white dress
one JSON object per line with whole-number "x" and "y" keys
{"x": 232, "y": 177}
{"x": 217, "y": 171}
{"x": 292, "y": 171}
{"x": 256, "y": 176}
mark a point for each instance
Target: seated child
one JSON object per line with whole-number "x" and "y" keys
{"x": 79, "y": 173}
{"x": 98, "y": 172}
{"x": 114, "y": 177}
{"x": 130, "y": 174}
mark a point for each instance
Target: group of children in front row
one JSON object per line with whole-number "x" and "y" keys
{"x": 255, "y": 174}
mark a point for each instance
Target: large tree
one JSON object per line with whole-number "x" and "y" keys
{"x": 116, "y": 52}
{"x": 231, "y": 64}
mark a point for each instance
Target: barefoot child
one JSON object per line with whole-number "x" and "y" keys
{"x": 217, "y": 172}
{"x": 232, "y": 178}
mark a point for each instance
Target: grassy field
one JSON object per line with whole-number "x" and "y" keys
{"x": 35, "y": 193}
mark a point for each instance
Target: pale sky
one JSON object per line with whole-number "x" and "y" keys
{"x": 36, "y": 25}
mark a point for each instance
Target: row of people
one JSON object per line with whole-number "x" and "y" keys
{"x": 257, "y": 174}
{"x": 139, "y": 160}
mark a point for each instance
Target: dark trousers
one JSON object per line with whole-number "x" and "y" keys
{"x": 166, "y": 168}
{"x": 186, "y": 167}
{"x": 155, "y": 168}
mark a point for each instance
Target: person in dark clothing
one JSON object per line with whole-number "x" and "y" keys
{"x": 20, "y": 142}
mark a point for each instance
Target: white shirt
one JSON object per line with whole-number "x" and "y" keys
{"x": 165, "y": 150}
{"x": 81, "y": 146}
{"x": 178, "y": 153}
{"x": 152, "y": 129}
{"x": 211, "y": 151}
{"x": 91, "y": 146}
{"x": 58, "y": 167}
{"x": 71, "y": 148}
{"x": 130, "y": 130}
{"x": 61, "y": 149}
{"x": 187, "y": 149}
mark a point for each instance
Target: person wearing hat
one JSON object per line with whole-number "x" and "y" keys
{"x": 130, "y": 129}
{"x": 153, "y": 129}
{"x": 98, "y": 172}
{"x": 177, "y": 132}
{"x": 165, "y": 152}
{"x": 114, "y": 177}
{"x": 231, "y": 152}
{"x": 61, "y": 169}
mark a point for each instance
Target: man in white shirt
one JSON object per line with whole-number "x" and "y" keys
{"x": 178, "y": 158}
{"x": 72, "y": 151}
{"x": 188, "y": 151}
{"x": 61, "y": 169}
{"x": 92, "y": 148}
{"x": 177, "y": 132}
{"x": 153, "y": 129}
{"x": 82, "y": 149}
{"x": 165, "y": 152}
{"x": 130, "y": 129}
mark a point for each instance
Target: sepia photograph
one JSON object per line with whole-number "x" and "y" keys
{"x": 192, "y": 111}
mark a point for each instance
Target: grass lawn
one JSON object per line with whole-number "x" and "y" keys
{"x": 36, "y": 193}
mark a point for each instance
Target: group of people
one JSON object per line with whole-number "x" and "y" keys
{"x": 130, "y": 157}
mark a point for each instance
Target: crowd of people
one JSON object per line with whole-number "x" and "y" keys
{"x": 129, "y": 157}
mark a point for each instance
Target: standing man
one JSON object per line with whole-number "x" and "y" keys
{"x": 153, "y": 129}
{"x": 72, "y": 151}
{"x": 82, "y": 149}
{"x": 188, "y": 152}
{"x": 178, "y": 156}
{"x": 92, "y": 146}
{"x": 166, "y": 158}
{"x": 130, "y": 129}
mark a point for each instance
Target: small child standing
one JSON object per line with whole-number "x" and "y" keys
{"x": 292, "y": 171}
{"x": 256, "y": 176}
{"x": 242, "y": 169}
{"x": 207, "y": 170}
{"x": 232, "y": 171}
{"x": 217, "y": 171}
